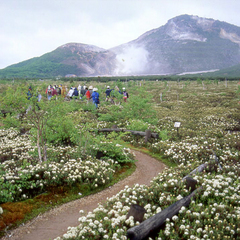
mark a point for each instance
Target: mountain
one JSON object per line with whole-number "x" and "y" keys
{"x": 184, "y": 44}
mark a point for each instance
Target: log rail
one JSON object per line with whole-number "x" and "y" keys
{"x": 153, "y": 224}
{"x": 147, "y": 134}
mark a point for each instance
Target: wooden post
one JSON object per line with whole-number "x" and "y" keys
{"x": 148, "y": 135}
{"x": 137, "y": 212}
{"x": 190, "y": 183}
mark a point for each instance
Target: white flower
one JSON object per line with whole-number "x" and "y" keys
{"x": 182, "y": 227}
{"x": 175, "y": 218}
{"x": 167, "y": 233}
{"x": 158, "y": 210}
{"x": 1, "y": 210}
{"x": 179, "y": 197}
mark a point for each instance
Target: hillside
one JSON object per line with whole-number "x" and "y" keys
{"x": 69, "y": 58}
{"x": 184, "y": 44}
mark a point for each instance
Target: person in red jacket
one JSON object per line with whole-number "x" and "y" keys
{"x": 88, "y": 94}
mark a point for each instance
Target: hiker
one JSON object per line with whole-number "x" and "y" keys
{"x": 95, "y": 97}
{"x": 113, "y": 95}
{"x": 89, "y": 93}
{"x": 70, "y": 93}
{"x": 59, "y": 89}
{"x": 108, "y": 92}
{"x": 63, "y": 91}
{"x": 125, "y": 94}
{"x": 49, "y": 92}
{"x": 29, "y": 93}
{"x": 82, "y": 91}
{"x": 75, "y": 93}
{"x": 54, "y": 91}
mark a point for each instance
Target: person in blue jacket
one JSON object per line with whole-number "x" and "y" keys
{"x": 75, "y": 93}
{"x": 95, "y": 97}
{"x": 107, "y": 92}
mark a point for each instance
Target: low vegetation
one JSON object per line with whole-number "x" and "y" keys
{"x": 56, "y": 146}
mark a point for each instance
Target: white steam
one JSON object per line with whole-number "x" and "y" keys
{"x": 132, "y": 60}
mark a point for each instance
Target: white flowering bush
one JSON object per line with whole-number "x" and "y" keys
{"x": 14, "y": 146}
{"x": 21, "y": 177}
{"x": 22, "y": 183}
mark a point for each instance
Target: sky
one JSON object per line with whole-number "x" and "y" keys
{"x": 31, "y": 28}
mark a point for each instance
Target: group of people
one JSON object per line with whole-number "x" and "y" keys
{"x": 90, "y": 93}
{"x": 55, "y": 91}
{"x": 74, "y": 93}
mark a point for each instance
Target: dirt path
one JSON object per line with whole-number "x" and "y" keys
{"x": 55, "y": 222}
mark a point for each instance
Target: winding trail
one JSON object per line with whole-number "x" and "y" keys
{"x": 55, "y": 222}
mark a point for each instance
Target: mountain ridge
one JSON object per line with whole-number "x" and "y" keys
{"x": 186, "y": 43}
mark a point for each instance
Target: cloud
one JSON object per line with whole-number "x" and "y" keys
{"x": 132, "y": 60}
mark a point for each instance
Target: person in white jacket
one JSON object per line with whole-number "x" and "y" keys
{"x": 70, "y": 93}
